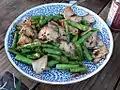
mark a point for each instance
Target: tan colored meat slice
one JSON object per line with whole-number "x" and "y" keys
{"x": 67, "y": 47}
{"x": 68, "y": 11}
{"x": 90, "y": 19}
{"x": 73, "y": 30}
{"x": 24, "y": 40}
{"x": 99, "y": 53}
{"x": 40, "y": 65}
{"x": 75, "y": 18}
{"x": 26, "y": 30}
{"x": 47, "y": 33}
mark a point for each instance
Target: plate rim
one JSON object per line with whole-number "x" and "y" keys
{"x": 68, "y": 82}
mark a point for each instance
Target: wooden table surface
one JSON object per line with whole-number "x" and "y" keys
{"x": 107, "y": 79}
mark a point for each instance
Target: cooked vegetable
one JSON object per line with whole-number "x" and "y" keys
{"x": 15, "y": 40}
{"x": 64, "y": 59}
{"x": 49, "y": 46}
{"x": 24, "y": 51}
{"x": 13, "y": 51}
{"x": 79, "y": 51}
{"x": 33, "y": 56}
{"x": 23, "y": 59}
{"x": 75, "y": 38}
{"x": 76, "y": 62}
{"x": 84, "y": 37}
{"x": 84, "y": 22}
{"x": 71, "y": 56}
{"x": 29, "y": 45}
{"x": 67, "y": 32}
{"x": 36, "y": 17}
{"x": 38, "y": 50}
{"x": 62, "y": 41}
{"x": 52, "y": 63}
{"x": 78, "y": 26}
{"x": 78, "y": 69}
{"x": 51, "y": 51}
{"x": 66, "y": 66}
{"x": 86, "y": 53}
{"x": 56, "y": 57}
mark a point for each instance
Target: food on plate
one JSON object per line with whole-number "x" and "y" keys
{"x": 61, "y": 41}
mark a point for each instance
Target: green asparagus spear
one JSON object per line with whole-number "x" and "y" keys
{"x": 75, "y": 38}
{"x": 66, "y": 66}
{"x": 36, "y": 17}
{"x": 71, "y": 56}
{"x": 52, "y": 51}
{"x": 79, "y": 51}
{"x": 35, "y": 22}
{"x": 86, "y": 53}
{"x": 67, "y": 31}
{"x": 84, "y": 37}
{"x": 15, "y": 40}
{"x": 33, "y": 56}
{"x": 64, "y": 59}
{"x": 24, "y": 51}
{"x": 84, "y": 22}
{"x": 38, "y": 50}
{"x": 56, "y": 57}
{"x": 79, "y": 69}
{"x": 75, "y": 62}
{"x": 11, "y": 50}
{"x": 23, "y": 59}
{"x": 30, "y": 45}
{"x": 44, "y": 45}
{"x": 78, "y": 26}
{"x": 52, "y": 63}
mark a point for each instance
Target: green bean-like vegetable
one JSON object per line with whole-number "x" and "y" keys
{"x": 56, "y": 44}
{"x": 33, "y": 56}
{"x": 86, "y": 53}
{"x": 75, "y": 38}
{"x": 57, "y": 17}
{"x": 67, "y": 31}
{"x": 52, "y": 51}
{"x": 38, "y": 50}
{"x": 36, "y": 17}
{"x": 29, "y": 45}
{"x": 71, "y": 56}
{"x": 15, "y": 40}
{"x": 84, "y": 37}
{"x": 44, "y": 45}
{"x": 44, "y": 21}
{"x": 56, "y": 57}
{"x": 52, "y": 63}
{"x": 79, "y": 51}
{"x": 66, "y": 66}
{"x": 64, "y": 59}
{"x": 75, "y": 62}
{"x": 84, "y": 22}
{"x": 23, "y": 59}
{"x": 24, "y": 51}
{"x": 79, "y": 69}
{"x": 11, "y": 50}
{"x": 35, "y": 22}
{"x": 78, "y": 26}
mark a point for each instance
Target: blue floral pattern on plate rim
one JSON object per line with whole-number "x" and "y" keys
{"x": 58, "y": 76}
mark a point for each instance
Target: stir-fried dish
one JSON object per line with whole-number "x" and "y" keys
{"x": 61, "y": 41}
